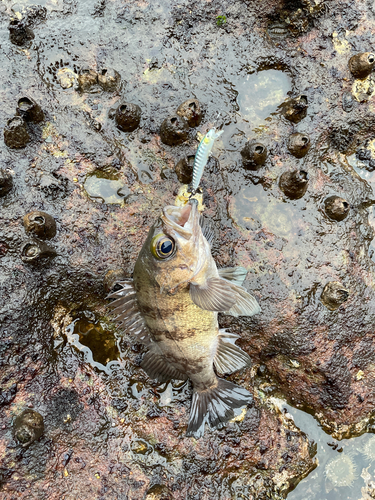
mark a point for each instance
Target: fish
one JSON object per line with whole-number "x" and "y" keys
{"x": 171, "y": 305}
{"x": 202, "y": 154}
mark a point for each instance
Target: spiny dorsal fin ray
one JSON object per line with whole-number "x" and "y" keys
{"x": 124, "y": 311}
{"x": 229, "y": 357}
{"x": 207, "y": 229}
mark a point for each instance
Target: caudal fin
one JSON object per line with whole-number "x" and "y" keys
{"x": 216, "y": 406}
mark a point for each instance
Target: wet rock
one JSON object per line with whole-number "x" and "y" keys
{"x": 16, "y": 135}
{"x": 295, "y": 109}
{"x": 87, "y": 79}
{"x": 3, "y": 248}
{"x": 254, "y": 155}
{"x": 109, "y": 79}
{"x": 19, "y": 33}
{"x": 184, "y": 169}
{"x": 299, "y": 144}
{"x": 128, "y": 116}
{"x": 111, "y": 278}
{"x": 29, "y": 110}
{"x": 159, "y": 492}
{"x": 336, "y": 208}
{"x": 66, "y": 77}
{"x": 174, "y": 130}
{"x": 40, "y": 224}
{"x": 333, "y": 295}
{"x": 6, "y": 182}
{"x": 347, "y": 102}
{"x": 294, "y": 184}
{"x": 7, "y": 395}
{"x": 361, "y": 65}
{"x": 33, "y": 251}
{"x": 191, "y": 111}
{"x": 28, "y": 427}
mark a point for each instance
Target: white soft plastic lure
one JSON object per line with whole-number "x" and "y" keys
{"x": 203, "y": 152}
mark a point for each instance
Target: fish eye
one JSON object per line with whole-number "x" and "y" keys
{"x": 162, "y": 246}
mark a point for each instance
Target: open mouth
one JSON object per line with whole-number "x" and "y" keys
{"x": 181, "y": 219}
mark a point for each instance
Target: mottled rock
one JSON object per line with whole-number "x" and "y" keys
{"x": 87, "y": 79}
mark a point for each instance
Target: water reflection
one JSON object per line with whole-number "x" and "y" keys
{"x": 346, "y": 468}
{"x": 260, "y": 94}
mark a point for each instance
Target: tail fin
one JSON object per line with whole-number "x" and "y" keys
{"x": 216, "y": 406}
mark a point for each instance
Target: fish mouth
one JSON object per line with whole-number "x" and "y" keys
{"x": 181, "y": 220}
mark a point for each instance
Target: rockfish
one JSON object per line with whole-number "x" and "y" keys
{"x": 171, "y": 305}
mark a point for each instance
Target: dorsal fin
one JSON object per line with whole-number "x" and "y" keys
{"x": 207, "y": 229}
{"x": 125, "y": 312}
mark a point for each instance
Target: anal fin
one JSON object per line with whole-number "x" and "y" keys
{"x": 157, "y": 367}
{"x": 229, "y": 357}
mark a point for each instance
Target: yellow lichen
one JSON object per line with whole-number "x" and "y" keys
{"x": 239, "y": 417}
{"x": 341, "y": 45}
{"x": 184, "y": 196}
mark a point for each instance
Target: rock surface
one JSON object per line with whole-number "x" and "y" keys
{"x": 110, "y": 432}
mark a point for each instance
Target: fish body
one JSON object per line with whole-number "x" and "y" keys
{"x": 202, "y": 155}
{"x": 172, "y": 306}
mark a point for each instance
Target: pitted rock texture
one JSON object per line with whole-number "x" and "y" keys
{"x": 115, "y": 434}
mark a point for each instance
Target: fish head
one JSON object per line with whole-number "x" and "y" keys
{"x": 176, "y": 250}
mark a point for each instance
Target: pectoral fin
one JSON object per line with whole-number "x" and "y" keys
{"x": 229, "y": 357}
{"x": 222, "y": 295}
{"x": 157, "y": 367}
{"x": 236, "y": 275}
{"x": 214, "y": 295}
{"x": 245, "y": 304}
{"x": 124, "y": 310}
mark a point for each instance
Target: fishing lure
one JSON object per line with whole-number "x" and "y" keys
{"x": 201, "y": 157}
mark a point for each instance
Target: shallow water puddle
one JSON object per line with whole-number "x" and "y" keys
{"x": 260, "y": 94}
{"x": 346, "y": 468}
{"x": 98, "y": 344}
{"x": 252, "y": 205}
{"x": 106, "y": 187}
{"x": 360, "y": 167}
